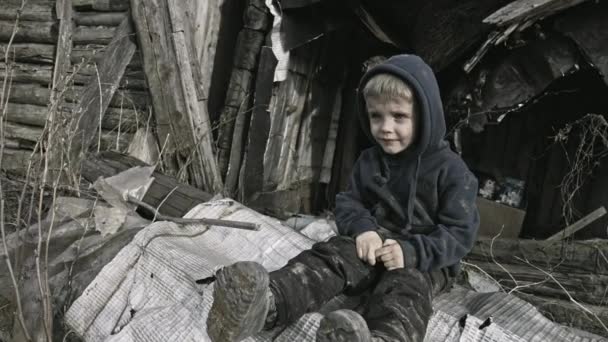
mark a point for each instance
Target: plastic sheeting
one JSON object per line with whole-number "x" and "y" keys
{"x": 149, "y": 291}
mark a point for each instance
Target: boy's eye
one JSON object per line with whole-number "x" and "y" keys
{"x": 374, "y": 115}
{"x": 400, "y": 116}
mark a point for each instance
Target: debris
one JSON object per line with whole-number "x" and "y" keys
{"x": 576, "y": 226}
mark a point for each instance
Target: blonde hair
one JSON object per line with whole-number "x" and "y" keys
{"x": 387, "y": 86}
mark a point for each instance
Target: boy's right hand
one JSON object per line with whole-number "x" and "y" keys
{"x": 367, "y": 244}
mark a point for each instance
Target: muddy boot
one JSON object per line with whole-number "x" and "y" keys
{"x": 343, "y": 325}
{"x": 240, "y": 302}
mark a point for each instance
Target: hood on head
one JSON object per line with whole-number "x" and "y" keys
{"x": 421, "y": 79}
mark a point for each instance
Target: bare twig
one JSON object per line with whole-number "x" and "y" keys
{"x": 207, "y": 221}
{"x": 592, "y": 135}
{"x": 566, "y": 292}
{"x": 10, "y": 271}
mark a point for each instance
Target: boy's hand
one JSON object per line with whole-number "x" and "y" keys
{"x": 367, "y": 244}
{"x": 391, "y": 255}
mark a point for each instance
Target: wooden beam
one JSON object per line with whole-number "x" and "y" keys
{"x": 34, "y": 94}
{"x": 253, "y": 165}
{"x": 99, "y": 18}
{"x": 31, "y": 11}
{"x": 64, "y": 45}
{"x": 30, "y": 52}
{"x": 94, "y": 34}
{"x": 179, "y": 121}
{"x": 526, "y": 10}
{"x": 97, "y": 95}
{"x": 43, "y": 74}
{"x": 103, "y": 5}
{"x": 197, "y": 112}
{"x": 587, "y": 257}
{"x": 37, "y": 115}
{"x": 29, "y": 31}
{"x": 110, "y": 140}
{"x": 576, "y": 226}
{"x": 238, "y": 95}
{"x": 588, "y": 288}
{"x": 206, "y": 21}
{"x": 177, "y": 198}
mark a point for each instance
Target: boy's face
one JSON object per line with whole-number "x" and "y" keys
{"x": 392, "y": 122}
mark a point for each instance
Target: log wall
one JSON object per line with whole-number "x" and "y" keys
{"x": 31, "y": 70}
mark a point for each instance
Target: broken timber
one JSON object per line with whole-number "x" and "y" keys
{"x": 97, "y": 95}
{"x": 176, "y": 198}
{"x": 580, "y": 267}
{"x": 182, "y": 125}
{"x": 238, "y": 97}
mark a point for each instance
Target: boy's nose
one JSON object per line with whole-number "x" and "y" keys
{"x": 386, "y": 126}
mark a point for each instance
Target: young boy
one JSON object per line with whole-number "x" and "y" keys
{"x": 405, "y": 222}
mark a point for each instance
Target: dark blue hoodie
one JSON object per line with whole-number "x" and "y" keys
{"x": 426, "y": 194}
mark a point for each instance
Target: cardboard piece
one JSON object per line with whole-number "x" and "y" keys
{"x": 495, "y": 217}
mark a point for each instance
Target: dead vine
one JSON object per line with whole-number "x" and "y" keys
{"x": 592, "y": 134}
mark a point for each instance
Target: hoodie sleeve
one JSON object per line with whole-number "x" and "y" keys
{"x": 456, "y": 229}
{"x": 352, "y": 216}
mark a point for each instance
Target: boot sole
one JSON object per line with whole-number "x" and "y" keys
{"x": 240, "y": 302}
{"x": 343, "y": 325}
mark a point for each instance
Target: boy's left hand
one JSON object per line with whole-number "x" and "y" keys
{"x": 390, "y": 254}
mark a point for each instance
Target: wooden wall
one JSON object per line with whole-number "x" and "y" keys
{"x": 31, "y": 59}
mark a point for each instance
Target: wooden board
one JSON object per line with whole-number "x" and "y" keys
{"x": 92, "y": 105}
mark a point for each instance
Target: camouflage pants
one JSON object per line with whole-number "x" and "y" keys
{"x": 396, "y": 304}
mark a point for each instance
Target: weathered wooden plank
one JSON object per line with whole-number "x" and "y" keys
{"x": 566, "y": 312}
{"x": 252, "y": 178}
{"x": 29, "y": 52}
{"x": 99, "y": 18}
{"x": 576, "y": 226}
{"x": 332, "y": 135}
{"x": 34, "y": 94}
{"x": 26, "y": 133}
{"x": 588, "y": 288}
{"x": 15, "y": 159}
{"x": 206, "y": 22}
{"x": 31, "y": 11}
{"x": 43, "y": 74}
{"x": 524, "y": 10}
{"x": 103, "y": 5}
{"x": 36, "y": 115}
{"x": 588, "y": 256}
{"x": 64, "y": 46}
{"x": 29, "y": 31}
{"x": 182, "y": 197}
{"x": 285, "y": 113}
{"x": 37, "y": 53}
{"x": 176, "y": 128}
{"x": 256, "y": 16}
{"x": 98, "y": 93}
{"x": 249, "y": 43}
{"x": 94, "y": 53}
{"x": 197, "y": 112}
{"x": 94, "y": 35}
{"x": 236, "y": 98}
